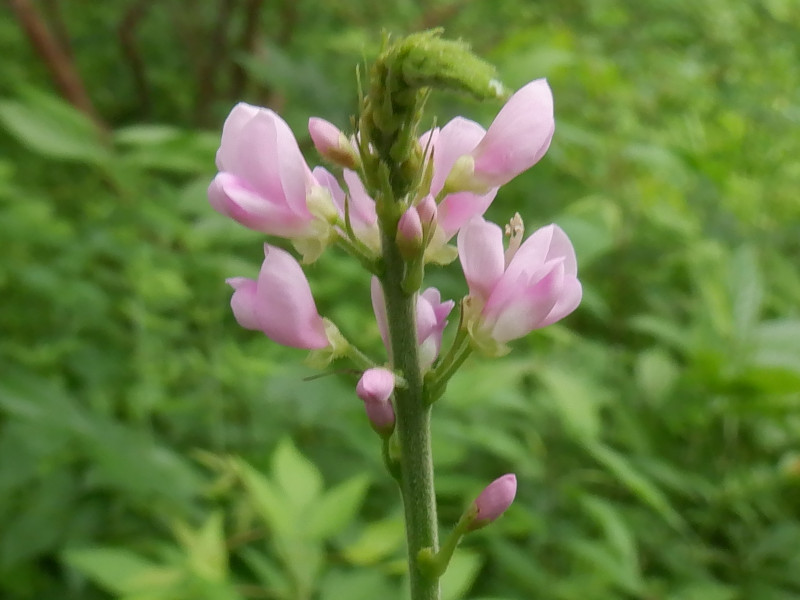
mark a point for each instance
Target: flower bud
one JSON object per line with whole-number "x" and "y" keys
{"x": 332, "y": 144}
{"x": 493, "y": 501}
{"x": 409, "y": 234}
{"x": 427, "y": 211}
{"x": 375, "y": 388}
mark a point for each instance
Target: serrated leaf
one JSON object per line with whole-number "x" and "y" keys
{"x": 296, "y": 476}
{"x": 337, "y": 508}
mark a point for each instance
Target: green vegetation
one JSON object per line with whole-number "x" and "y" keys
{"x": 150, "y": 449}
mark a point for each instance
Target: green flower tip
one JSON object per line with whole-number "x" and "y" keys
{"x": 425, "y": 59}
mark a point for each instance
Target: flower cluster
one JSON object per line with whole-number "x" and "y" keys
{"x": 265, "y": 184}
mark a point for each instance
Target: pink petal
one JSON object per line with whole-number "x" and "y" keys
{"x": 286, "y": 310}
{"x": 480, "y": 249}
{"x": 232, "y": 129}
{"x": 455, "y": 139}
{"x": 561, "y": 247}
{"x": 518, "y": 137}
{"x": 234, "y": 197}
{"x": 528, "y": 307}
{"x": 379, "y": 308}
{"x": 494, "y": 500}
{"x": 457, "y": 209}
{"x": 243, "y": 302}
{"x": 328, "y": 181}
{"x": 295, "y": 176}
{"x": 568, "y": 301}
{"x": 375, "y": 385}
{"x": 362, "y": 207}
{"x": 324, "y": 134}
{"x": 432, "y": 316}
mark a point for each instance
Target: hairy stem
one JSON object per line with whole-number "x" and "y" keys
{"x": 413, "y": 425}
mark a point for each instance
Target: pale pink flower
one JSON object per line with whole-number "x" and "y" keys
{"x": 360, "y": 207}
{"x": 431, "y": 316}
{"x": 457, "y": 138}
{"x": 517, "y": 138}
{"x": 375, "y": 388}
{"x": 514, "y": 292}
{"x": 493, "y": 501}
{"x": 264, "y": 182}
{"x": 279, "y": 302}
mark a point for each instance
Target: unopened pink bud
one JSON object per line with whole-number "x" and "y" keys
{"x": 409, "y": 234}
{"x": 332, "y": 144}
{"x": 493, "y": 501}
{"x": 427, "y": 211}
{"x": 375, "y": 388}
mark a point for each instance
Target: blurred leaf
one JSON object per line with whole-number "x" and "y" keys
{"x": 656, "y": 373}
{"x": 296, "y": 476}
{"x": 205, "y": 547}
{"x": 53, "y": 128}
{"x": 460, "y": 574}
{"x": 575, "y": 400}
{"x": 641, "y": 487}
{"x": 274, "y": 509}
{"x": 377, "y": 541}
{"x": 337, "y": 508}
{"x": 117, "y": 570}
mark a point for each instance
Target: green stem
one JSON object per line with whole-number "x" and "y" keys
{"x": 359, "y": 359}
{"x": 413, "y": 424}
{"x": 458, "y": 353}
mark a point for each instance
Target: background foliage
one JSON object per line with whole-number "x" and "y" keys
{"x": 151, "y": 449}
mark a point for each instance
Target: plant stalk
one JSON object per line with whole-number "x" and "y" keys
{"x": 413, "y": 425}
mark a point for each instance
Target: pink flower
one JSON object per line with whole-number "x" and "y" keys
{"x": 456, "y": 139}
{"x": 514, "y": 292}
{"x": 279, "y": 302}
{"x": 431, "y": 317}
{"x": 264, "y": 183}
{"x": 361, "y": 208}
{"x": 517, "y": 138}
{"x": 493, "y": 501}
{"x": 375, "y": 388}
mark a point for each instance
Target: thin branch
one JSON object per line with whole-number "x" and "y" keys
{"x": 127, "y": 38}
{"x": 246, "y": 45}
{"x": 217, "y": 54}
{"x": 56, "y": 59}
{"x": 55, "y": 16}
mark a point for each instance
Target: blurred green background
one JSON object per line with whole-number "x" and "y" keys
{"x": 150, "y": 449}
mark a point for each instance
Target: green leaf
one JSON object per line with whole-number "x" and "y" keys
{"x": 119, "y": 571}
{"x": 273, "y": 508}
{"x": 206, "y": 549}
{"x": 747, "y": 290}
{"x": 53, "y": 128}
{"x": 460, "y": 574}
{"x": 295, "y": 475}
{"x": 638, "y": 484}
{"x": 337, "y": 508}
{"x": 575, "y": 400}
{"x": 377, "y": 541}
{"x": 656, "y": 373}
